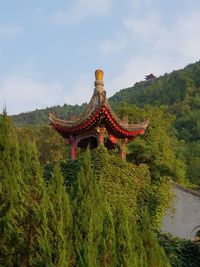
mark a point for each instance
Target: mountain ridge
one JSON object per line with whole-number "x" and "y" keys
{"x": 167, "y": 89}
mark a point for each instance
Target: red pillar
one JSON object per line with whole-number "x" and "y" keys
{"x": 73, "y": 151}
{"x": 123, "y": 151}
{"x": 101, "y": 138}
{"x": 101, "y": 132}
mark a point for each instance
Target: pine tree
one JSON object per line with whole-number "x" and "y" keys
{"x": 87, "y": 216}
{"x": 138, "y": 250}
{"x": 124, "y": 250}
{"x": 107, "y": 246}
{"x": 10, "y": 180}
{"x": 60, "y": 221}
{"x": 9, "y": 155}
{"x": 155, "y": 253}
{"x": 33, "y": 247}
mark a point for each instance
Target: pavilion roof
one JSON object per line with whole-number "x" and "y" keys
{"x": 98, "y": 112}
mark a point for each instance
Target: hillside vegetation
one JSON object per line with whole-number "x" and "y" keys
{"x": 178, "y": 92}
{"x": 99, "y": 210}
{"x": 95, "y": 211}
{"x": 40, "y": 116}
{"x": 92, "y": 212}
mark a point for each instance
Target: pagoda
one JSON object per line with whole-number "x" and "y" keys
{"x": 150, "y": 77}
{"x": 97, "y": 125}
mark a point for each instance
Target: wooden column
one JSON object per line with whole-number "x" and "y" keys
{"x": 123, "y": 155}
{"x": 73, "y": 151}
{"x": 101, "y": 132}
{"x": 124, "y": 142}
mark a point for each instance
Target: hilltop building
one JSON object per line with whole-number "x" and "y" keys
{"x": 150, "y": 77}
{"x": 97, "y": 125}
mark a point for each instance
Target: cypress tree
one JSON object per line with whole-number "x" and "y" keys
{"x": 33, "y": 248}
{"x": 107, "y": 245}
{"x": 60, "y": 221}
{"x": 124, "y": 250}
{"x": 155, "y": 253}
{"x": 87, "y": 216}
{"x": 10, "y": 180}
{"x": 10, "y": 171}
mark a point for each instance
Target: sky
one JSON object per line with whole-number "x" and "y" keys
{"x": 49, "y": 50}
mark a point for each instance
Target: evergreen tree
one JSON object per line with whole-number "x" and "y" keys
{"x": 10, "y": 180}
{"x": 107, "y": 245}
{"x": 87, "y": 216}
{"x": 33, "y": 248}
{"x": 155, "y": 253}
{"x": 124, "y": 250}
{"x": 60, "y": 221}
{"x": 9, "y": 155}
{"x": 139, "y": 252}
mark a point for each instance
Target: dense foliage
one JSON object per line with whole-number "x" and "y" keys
{"x": 181, "y": 253}
{"x": 100, "y": 219}
{"x": 40, "y": 116}
{"x": 179, "y": 91}
{"x": 50, "y": 145}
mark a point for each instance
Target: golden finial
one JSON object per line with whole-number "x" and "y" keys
{"x": 99, "y": 75}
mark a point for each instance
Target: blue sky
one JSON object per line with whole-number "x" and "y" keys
{"x": 49, "y": 50}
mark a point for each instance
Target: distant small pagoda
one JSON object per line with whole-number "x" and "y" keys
{"x": 97, "y": 125}
{"x": 150, "y": 77}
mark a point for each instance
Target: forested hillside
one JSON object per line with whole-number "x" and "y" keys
{"x": 178, "y": 91}
{"x": 40, "y": 116}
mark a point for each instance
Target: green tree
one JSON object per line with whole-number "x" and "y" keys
{"x": 155, "y": 253}
{"x": 60, "y": 221}
{"x": 125, "y": 254}
{"x": 87, "y": 216}
{"x": 31, "y": 225}
{"x": 107, "y": 245}
{"x": 50, "y": 145}
{"x": 10, "y": 182}
{"x": 181, "y": 252}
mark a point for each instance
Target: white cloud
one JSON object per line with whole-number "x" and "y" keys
{"x": 81, "y": 10}
{"x": 145, "y": 27}
{"x": 186, "y": 36}
{"x": 21, "y": 94}
{"x": 181, "y": 39}
{"x": 138, "y": 3}
{"x": 135, "y": 70}
{"x": 113, "y": 46}
{"x": 165, "y": 47}
{"x": 10, "y": 30}
{"x": 80, "y": 91}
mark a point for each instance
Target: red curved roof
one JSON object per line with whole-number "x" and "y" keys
{"x": 98, "y": 113}
{"x": 101, "y": 116}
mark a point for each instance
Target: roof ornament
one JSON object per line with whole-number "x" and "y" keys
{"x": 99, "y": 83}
{"x": 99, "y": 90}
